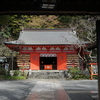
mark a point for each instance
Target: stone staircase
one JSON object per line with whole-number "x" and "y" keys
{"x": 47, "y": 74}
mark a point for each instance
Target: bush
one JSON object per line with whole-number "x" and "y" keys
{"x": 76, "y": 73}
{"x": 81, "y": 76}
{"x": 23, "y": 74}
{"x": 17, "y": 73}
{"x": 1, "y": 77}
{"x": 95, "y": 76}
{"x": 2, "y": 72}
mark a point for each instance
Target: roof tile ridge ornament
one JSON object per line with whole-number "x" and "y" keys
{"x": 73, "y": 30}
{"x": 22, "y": 29}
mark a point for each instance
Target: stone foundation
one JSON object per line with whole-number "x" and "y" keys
{"x": 48, "y": 74}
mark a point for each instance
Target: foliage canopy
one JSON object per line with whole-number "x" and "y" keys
{"x": 84, "y": 26}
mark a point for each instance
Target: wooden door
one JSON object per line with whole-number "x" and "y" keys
{"x": 61, "y": 61}
{"x": 34, "y": 61}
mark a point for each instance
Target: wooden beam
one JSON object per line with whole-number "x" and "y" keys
{"x": 98, "y": 54}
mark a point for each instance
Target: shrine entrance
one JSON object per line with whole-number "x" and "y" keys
{"x": 48, "y": 62}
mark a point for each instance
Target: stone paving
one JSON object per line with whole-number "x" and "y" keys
{"x": 80, "y": 89}
{"x": 48, "y": 90}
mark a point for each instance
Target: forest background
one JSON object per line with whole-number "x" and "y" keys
{"x": 10, "y": 27}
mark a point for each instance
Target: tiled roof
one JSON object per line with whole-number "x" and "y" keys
{"x": 46, "y": 37}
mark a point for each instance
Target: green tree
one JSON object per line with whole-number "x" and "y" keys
{"x": 84, "y": 25}
{"x": 4, "y": 20}
{"x": 10, "y": 26}
{"x": 17, "y": 23}
{"x": 43, "y": 21}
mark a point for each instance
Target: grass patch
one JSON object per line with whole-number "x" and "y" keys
{"x": 14, "y": 77}
{"x": 17, "y": 75}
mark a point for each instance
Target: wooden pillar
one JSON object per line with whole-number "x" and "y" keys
{"x": 61, "y": 61}
{"x": 98, "y": 54}
{"x": 34, "y": 61}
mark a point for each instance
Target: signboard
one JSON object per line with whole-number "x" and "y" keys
{"x": 48, "y": 67}
{"x": 48, "y": 55}
{"x": 93, "y": 69}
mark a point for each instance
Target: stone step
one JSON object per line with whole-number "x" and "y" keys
{"x": 47, "y": 75}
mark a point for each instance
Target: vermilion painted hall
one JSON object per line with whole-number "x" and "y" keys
{"x": 47, "y": 49}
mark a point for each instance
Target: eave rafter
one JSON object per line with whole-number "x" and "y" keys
{"x": 34, "y": 47}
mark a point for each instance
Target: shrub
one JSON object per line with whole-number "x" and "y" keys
{"x": 1, "y": 77}
{"x": 17, "y": 73}
{"x": 2, "y": 72}
{"x": 23, "y": 74}
{"x": 76, "y": 73}
{"x": 95, "y": 76}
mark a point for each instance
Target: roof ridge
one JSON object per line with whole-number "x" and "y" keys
{"x": 45, "y": 29}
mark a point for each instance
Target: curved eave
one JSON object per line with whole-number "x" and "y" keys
{"x": 18, "y": 47}
{"x": 37, "y": 44}
{"x": 6, "y": 43}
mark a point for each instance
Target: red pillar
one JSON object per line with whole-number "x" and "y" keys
{"x": 34, "y": 61}
{"x": 61, "y": 61}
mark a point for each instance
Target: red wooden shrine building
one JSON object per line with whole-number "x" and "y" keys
{"x": 47, "y": 49}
